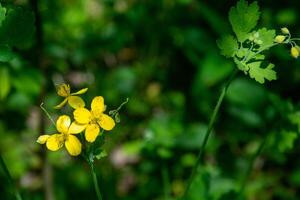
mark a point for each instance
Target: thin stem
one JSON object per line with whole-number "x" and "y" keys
{"x": 114, "y": 112}
{"x": 48, "y": 115}
{"x": 9, "y": 178}
{"x": 95, "y": 180}
{"x": 122, "y": 104}
{"x": 298, "y": 39}
{"x": 208, "y": 132}
{"x": 249, "y": 50}
{"x": 250, "y": 166}
{"x": 258, "y": 52}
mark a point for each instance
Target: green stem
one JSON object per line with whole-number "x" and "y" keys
{"x": 95, "y": 180}
{"x": 46, "y": 112}
{"x": 250, "y": 166}
{"x": 9, "y": 178}
{"x": 258, "y": 52}
{"x": 208, "y": 132}
{"x": 297, "y": 39}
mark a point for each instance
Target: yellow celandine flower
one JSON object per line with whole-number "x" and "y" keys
{"x": 279, "y": 38}
{"x": 74, "y": 101}
{"x": 294, "y": 52}
{"x": 92, "y": 120}
{"x": 65, "y": 136}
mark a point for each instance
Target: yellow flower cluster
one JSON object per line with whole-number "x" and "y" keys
{"x": 89, "y": 121}
{"x": 285, "y": 37}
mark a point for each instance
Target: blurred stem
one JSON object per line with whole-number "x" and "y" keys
{"x": 166, "y": 181}
{"x": 250, "y": 166}
{"x": 38, "y": 61}
{"x": 208, "y": 132}
{"x": 95, "y": 180}
{"x": 47, "y": 113}
{"x": 9, "y": 178}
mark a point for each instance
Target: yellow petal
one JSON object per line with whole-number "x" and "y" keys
{"x": 76, "y": 102}
{"x": 82, "y": 115}
{"x": 63, "y": 123}
{"x": 91, "y": 132}
{"x": 294, "y": 52}
{"x": 43, "y": 139}
{"x": 55, "y": 142}
{"x": 59, "y": 106}
{"x": 106, "y": 122}
{"x": 98, "y": 106}
{"x": 82, "y": 91}
{"x": 76, "y": 128}
{"x": 73, "y": 145}
{"x": 63, "y": 90}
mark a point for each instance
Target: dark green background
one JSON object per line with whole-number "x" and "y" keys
{"x": 161, "y": 54}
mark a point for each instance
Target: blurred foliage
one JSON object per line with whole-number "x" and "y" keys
{"x": 163, "y": 56}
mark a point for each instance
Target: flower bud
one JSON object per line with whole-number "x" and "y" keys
{"x": 294, "y": 52}
{"x": 279, "y": 38}
{"x": 284, "y": 30}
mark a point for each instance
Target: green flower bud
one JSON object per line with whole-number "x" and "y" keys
{"x": 284, "y": 30}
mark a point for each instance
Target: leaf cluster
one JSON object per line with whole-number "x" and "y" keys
{"x": 248, "y": 44}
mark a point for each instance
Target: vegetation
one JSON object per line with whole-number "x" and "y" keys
{"x": 167, "y": 99}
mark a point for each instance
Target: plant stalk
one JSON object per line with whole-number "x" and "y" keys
{"x": 9, "y": 178}
{"x": 208, "y": 132}
{"x": 95, "y": 180}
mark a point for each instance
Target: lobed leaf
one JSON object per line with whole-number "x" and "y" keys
{"x": 267, "y": 38}
{"x": 260, "y": 74}
{"x": 228, "y": 45}
{"x": 243, "y": 18}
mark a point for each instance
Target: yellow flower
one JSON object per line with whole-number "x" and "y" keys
{"x": 279, "y": 38}
{"x": 294, "y": 52}
{"x": 92, "y": 120}
{"x": 64, "y": 136}
{"x": 74, "y": 101}
{"x": 285, "y": 30}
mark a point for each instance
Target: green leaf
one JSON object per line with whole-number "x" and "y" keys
{"x": 210, "y": 72}
{"x": 6, "y": 53}
{"x": 228, "y": 45}
{"x": 283, "y": 140}
{"x": 267, "y": 37}
{"x": 243, "y": 18}
{"x": 18, "y": 27}
{"x": 260, "y": 74}
{"x": 2, "y": 14}
{"x": 295, "y": 119}
{"x": 241, "y": 66}
{"x": 4, "y": 82}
